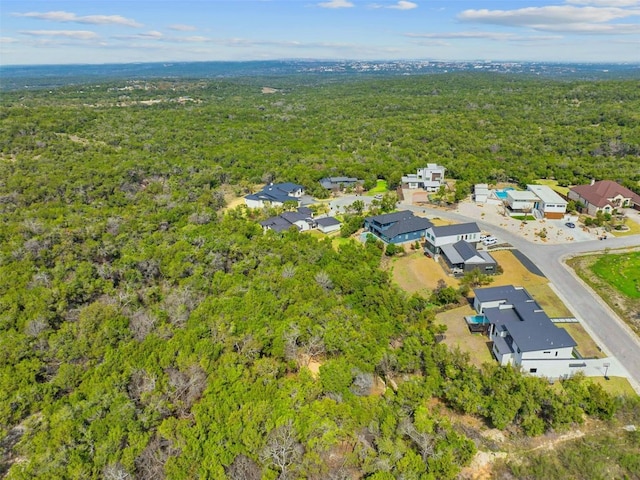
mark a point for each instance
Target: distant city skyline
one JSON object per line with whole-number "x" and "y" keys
{"x": 71, "y": 32}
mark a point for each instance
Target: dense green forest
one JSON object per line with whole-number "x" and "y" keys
{"x": 148, "y": 333}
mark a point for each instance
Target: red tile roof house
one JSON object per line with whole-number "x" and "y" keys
{"x": 605, "y": 196}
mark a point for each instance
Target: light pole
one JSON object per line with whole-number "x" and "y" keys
{"x": 606, "y": 369}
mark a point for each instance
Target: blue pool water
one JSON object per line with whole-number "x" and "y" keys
{"x": 477, "y": 319}
{"x": 502, "y": 194}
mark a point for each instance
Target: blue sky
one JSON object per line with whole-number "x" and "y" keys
{"x": 87, "y": 31}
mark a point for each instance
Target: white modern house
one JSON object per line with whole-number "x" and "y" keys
{"x": 520, "y": 329}
{"x": 549, "y": 204}
{"x": 481, "y": 193}
{"x": 437, "y": 237}
{"x": 302, "y": 219}
{"x": 430, "y": 178}
{"x": 525, "y": 337}
{"x": 521, "y": 201}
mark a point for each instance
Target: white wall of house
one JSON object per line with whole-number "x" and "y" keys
{"x": 254, "y": 203}
{"x": 506, "y": 359}
{"x": 518, "y": 204}
{"x": 592, "y": 367}
{"x": 440, "y": 241}
{"x": 329, "y": 229}
{"x": 303, "y": 225}
{"x": 480, "y": 306}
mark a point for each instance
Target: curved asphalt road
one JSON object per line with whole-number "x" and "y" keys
{"x": 608, "y": 330}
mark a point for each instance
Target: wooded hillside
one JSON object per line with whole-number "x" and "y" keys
{"x": 145, "y": 333}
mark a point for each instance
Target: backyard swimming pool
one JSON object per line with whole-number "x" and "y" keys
{"x": 502, "y": 194}
{"x": 477, "y": 319}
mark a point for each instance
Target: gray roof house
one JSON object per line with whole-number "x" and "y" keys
{"x": 397, "y": 227}
{"x": 275, "y": 194}
{"x": 437, "y": 237}
{"x": 302, "y": 219}
{"x": 520, "y": 329}
{"x": 338, "y": 183}
{"x": 464, "y": 257}
{"x": 328, "y": 224}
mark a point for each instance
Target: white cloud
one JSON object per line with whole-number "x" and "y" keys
{"x": 76, "y": 34}
{"x": 6, "y": 40}
{"x": 496, "y": 36}
{"x": 606, "y": 3}
{"x": 550, "y": 15}
{"x": 182, "y": 28}
{"x": 336, "y": 4}
{"x": 404, "y": 5}
{"x": 68, "y": 17}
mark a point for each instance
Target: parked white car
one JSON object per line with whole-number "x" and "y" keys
{"x": 489, "y": 241}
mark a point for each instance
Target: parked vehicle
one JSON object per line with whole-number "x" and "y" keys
{"x": 570, "y": 225}
{"x": 489, "y": 241}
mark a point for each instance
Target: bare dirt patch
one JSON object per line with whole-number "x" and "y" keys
{"x": 269, "y": 90}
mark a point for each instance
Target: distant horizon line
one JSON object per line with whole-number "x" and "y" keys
{"x": 310, "y": 60}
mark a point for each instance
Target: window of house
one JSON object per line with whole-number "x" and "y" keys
{"x": 533, "y": 370}
{"x": 548, "y": 351}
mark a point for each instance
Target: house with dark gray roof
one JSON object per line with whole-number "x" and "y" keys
{"x": 301, "y": 219}
{"x": 397, "y": 227}
{"x": 275, "y": 194}
{"x": 463, "y": 257}
{"x": 522, "y": 333}
{"x": 339, "y": 183}
{"x": 328, "y": 224}
{"x": 437, "y": 237}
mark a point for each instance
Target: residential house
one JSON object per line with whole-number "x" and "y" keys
{"x": 481, "y": 192}
{"x": 328, "y": 224}
{"x": 275, "y": 194}
{"x": 604, "y": 196}
{"x": 429, "y": 178}
{"x": 522, "y": 333}
{"x": 302, "y": 219}
{"x": 549, "y": 204}
{"x": 397, "y": 227}
{"x": 462, "y": 256}
{"x": 520, "y": 201}
{"x": 437, "y": 237}
{"x": 340, "y": 183}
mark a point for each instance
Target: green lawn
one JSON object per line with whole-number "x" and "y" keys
{"x": 381, "y": 187}
{"x": 554, "y": 186}
{"x": 622, "y": 271}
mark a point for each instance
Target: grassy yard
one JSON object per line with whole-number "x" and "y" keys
{"x": 586, "y": 345}
{"x": 549, "y": 301}
{"x": 514, "y": 272}
{"x": 634, "y": 229}
{"x": 617, "y": 386}
{"x": 554, "y": 186}
{"x": 622, "y": 271}
{"x": 380, "y": 187}
{"x": 459, "y": 336}
{"x": 417, "y": 273}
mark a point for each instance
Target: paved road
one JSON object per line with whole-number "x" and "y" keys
{"x": 609, "y": 331}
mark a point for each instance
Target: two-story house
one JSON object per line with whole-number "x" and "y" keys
{"x": 522, "y": 333}
{"x": 437, "y": 237}
{"x": 430, "y": 178}
{"x": 397, "y": 227}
